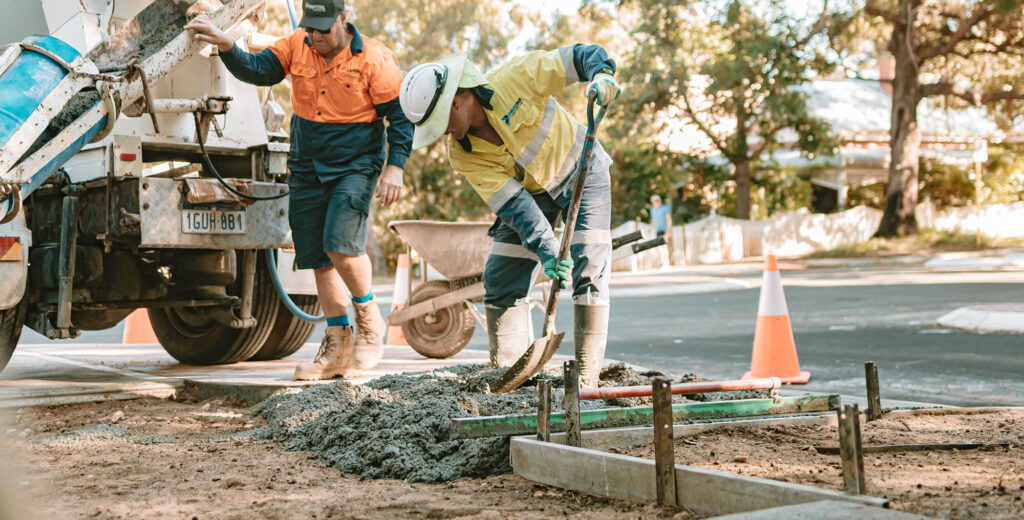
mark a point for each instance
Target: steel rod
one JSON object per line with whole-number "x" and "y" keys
{"x": 664, "y": 447}
{"x": 544, "y": 410}
{"x": 849, "y": 450}
{"x": 874, "y": 410}
{"x": 571, "y": 403}
{"x": 901, "y": 448}
{"x": 612, "y": 392}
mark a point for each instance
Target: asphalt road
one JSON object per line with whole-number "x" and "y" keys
{"x": 841, "y": 318}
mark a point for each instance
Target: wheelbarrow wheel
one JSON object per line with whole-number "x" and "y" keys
{"x": 442, "y": 333}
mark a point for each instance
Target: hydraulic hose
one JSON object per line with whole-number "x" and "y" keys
{"x": 291, "y": 14}
{"x": 287, "y": 300}
{"x": 209, "y": 166}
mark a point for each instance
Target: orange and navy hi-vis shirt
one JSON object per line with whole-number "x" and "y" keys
{"x": 338, "y": 109}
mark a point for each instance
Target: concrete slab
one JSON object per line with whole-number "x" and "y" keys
{"x": 61, "y": 373}
{"x": 823, "y": 510}
{"x": 1006, "y": 318}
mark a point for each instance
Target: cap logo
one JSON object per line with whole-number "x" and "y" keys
{"x": 320, "y": 8}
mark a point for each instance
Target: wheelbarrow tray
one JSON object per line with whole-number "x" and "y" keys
{"x": 454, "y": 249}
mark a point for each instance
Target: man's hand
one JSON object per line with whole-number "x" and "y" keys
{"x": 606, "y": 87}
{"x": 389, "y": 189}
{"x": 559, "y": 271}
{"x": 205, "y": 31}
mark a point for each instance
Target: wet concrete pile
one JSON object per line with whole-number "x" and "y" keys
{"x": 399, "y": 426}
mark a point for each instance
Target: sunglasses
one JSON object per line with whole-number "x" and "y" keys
{"x": 310, "y": 30}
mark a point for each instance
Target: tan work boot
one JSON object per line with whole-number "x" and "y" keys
{"x": 334, "y": 359}
{"x": 370, "y": 326}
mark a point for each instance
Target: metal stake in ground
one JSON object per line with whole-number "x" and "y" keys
{"x": 571, "y": 403}
{"x": 664, "y": 448}
{"x": 544, "y": 410}
{"x": 874, "y": 400}
{"x": 849, "y": 450}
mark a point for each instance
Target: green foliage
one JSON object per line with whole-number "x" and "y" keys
{"x": 778, "y": 190}
{"x": 736, "y": 68}
{"x": 642, "y": 171}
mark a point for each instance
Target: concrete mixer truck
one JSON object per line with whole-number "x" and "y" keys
{"x": 137, "y": 173}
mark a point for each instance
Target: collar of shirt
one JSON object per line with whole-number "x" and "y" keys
{"x": 483, "y": 95}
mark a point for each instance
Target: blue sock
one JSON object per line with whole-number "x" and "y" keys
{"x": 338, "y": 321}
{"x": 364, "y": 299}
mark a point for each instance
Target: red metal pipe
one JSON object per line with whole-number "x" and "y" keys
{"x": 611, "y": 392}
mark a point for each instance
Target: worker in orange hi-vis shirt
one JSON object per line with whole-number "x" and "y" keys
{"x": 343, "y": 87}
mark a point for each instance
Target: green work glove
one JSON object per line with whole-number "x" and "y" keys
{"x": 561, "y": 271}
{"x": 605, "y": 86}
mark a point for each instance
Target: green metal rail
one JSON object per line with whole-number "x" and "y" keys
{"x": 522, "y": 424}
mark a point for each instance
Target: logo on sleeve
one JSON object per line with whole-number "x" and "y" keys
{"x": 507, "y": 118}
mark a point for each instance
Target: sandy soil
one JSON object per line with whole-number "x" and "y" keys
{"x": 940, "y": 484}
{"x": 152, "y": 458}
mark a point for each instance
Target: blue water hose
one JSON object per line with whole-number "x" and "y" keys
{"x": 287, "y": 300}
{"x": 291, "y": 14}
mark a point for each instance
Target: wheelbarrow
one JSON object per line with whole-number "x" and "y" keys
{"x": 439, "y": 317}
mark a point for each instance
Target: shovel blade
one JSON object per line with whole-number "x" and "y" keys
{"x": 529, "y": 364}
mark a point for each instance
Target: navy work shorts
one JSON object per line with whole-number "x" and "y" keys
{"x": 329, "y": 216}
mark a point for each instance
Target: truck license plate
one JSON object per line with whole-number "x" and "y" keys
{"x": 213, "y": 220}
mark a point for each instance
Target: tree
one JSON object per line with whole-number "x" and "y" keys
{"x": 736, "y": 70}
{"x": 958, "y": 49}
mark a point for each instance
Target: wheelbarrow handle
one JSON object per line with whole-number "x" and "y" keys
{"x": 574, "y": 206}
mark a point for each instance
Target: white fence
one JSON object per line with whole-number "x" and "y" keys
{"x": 996, "y": 220}
{"x": 716, "y": 239}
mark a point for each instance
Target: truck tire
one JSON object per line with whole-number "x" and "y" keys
{"x": 289, "y": 332}
{"x": 442, "y": 333}
{"x": 189, "y": 335}
{"x": 11, "y": 321}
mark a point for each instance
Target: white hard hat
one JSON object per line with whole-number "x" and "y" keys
{"x": 427, "y": 92}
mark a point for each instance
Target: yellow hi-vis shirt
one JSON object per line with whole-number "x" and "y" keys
{"x": 542, "y": 142}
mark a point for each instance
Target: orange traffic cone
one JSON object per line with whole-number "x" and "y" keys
{"x": 137, "y": 329}
{"x": 774, "y": 349}
{"x": 398, "y": 296}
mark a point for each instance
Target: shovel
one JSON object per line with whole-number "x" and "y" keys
{"x": 540, "y": 352}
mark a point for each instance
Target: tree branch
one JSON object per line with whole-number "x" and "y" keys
{"x": 947, "y": 88}
{"x": 872, "y": 8}
{"x": 767, "y": 140}
{"x": 963, "y": 30}
{"x": 716, "y": 140}
{"x": 818, "y": 27}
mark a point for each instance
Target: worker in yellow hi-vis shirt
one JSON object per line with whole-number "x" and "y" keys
{"x": 520, "y": 151}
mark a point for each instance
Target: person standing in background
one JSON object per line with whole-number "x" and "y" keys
{"x": 661, "y": 220}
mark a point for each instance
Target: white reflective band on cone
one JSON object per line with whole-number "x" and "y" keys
{"x": 773, "y": 299}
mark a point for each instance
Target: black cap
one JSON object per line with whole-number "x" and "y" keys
{"x": 321, "y": 14}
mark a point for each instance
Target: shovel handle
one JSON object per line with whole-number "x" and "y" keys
{"x": 570, "y": 215}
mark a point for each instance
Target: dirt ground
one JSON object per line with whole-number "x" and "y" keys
{"x": 968, "y": 484}
{"x": 152, "y": 458}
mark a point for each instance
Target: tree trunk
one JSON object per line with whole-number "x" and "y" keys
{"x": 904, "y": 141}
{"x": 742, "y": 189}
